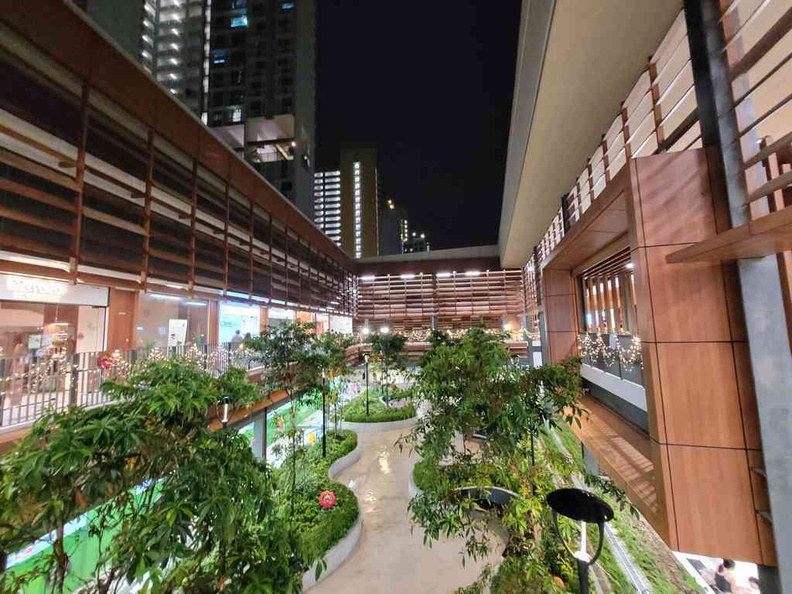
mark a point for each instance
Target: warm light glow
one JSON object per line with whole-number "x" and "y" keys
{"x": 366, "y": 330}
{"x": 472, "y": 273}
{"x": 161, "y": 296}
{"x": 408, "y": 276}
{"x": 368, "y": 278}
{"x": 443, "y": 275}
{"x": 629, "y": 266}
{"x": 506, "y": 327}
{"x": 384, "y": 329}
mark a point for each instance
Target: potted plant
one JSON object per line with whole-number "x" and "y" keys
{"x": 504, "y": 478}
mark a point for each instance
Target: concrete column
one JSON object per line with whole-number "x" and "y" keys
{"x": 259, "y": 443}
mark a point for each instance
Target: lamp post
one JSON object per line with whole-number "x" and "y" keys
{"x": 324, "y": 418}
{"x": 586, "y": 508}
{"x": 366, "y": 357}
{"x": 224, "y": 420}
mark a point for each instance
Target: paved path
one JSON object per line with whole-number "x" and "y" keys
{"x": 389, "y": 558}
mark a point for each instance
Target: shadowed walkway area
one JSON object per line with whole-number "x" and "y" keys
{"x": 389, "y": 558}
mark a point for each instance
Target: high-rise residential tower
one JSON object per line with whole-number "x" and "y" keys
{"x": 392, "y": 227}
{"x": 346, "y": 203}
{"x": 246, "y": 67}
{"x": 327, "y": 203}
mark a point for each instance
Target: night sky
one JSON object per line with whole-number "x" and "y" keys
{"x": 429, "y": 84}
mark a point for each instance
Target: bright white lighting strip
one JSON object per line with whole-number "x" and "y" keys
{"x": 358, "y": 208}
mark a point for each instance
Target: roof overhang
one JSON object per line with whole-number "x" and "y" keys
{"x": 576, "y": 62}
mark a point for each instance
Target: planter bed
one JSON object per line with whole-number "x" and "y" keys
{"x": 380, "y": 418}
{"x": 344, "y": 548}
{"x": 327, "y": 534}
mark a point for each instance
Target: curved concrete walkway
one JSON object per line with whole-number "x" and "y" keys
{"x": 389, "y": 558}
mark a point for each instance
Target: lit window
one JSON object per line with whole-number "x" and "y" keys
{"x": 240, "y": 21}
{"x": 219, "y": 56}
{"x": 236, "y": 115}
{"x": 287, "y": 5}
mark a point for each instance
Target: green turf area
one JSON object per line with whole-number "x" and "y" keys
{"x": 379, "y": 412}
{"x": 303, "y": 412}
{"x": 645, "y": 548}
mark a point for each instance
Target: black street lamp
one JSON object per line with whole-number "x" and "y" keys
{"x": 586, "y": 508}
{"x": 324, "y": 419}
{"x": 366, "y": 357}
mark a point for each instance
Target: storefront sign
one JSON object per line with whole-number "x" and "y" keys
{"x": 42, "y": 290}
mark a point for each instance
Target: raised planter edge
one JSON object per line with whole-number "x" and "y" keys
{"x": 343, "y": 549}
{"x": 377, "y": 427}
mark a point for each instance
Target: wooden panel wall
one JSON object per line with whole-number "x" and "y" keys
{"x": 561, "y": 317}
{"x": 121, "y": 319}
{"x": 699, "y": 388}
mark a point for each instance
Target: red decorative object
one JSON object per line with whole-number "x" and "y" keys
{"x": 327, "y": 499}
{"x": 104, "y": 362}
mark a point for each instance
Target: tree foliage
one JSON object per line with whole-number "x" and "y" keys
{"x": 502, "y": 414}
{"x": 332, "y": 350}
{"x": 291, "y": 363}
{"x": 175, "y": 505}
{"x": 387, "y": 350}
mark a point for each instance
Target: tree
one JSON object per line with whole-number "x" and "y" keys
{"x": 387, "y": 350}
{"x": 173, "y": 504}
{"x": 472, "y": 390}
{"x": 293, "y": 365}
{"x": 332, "y": 348}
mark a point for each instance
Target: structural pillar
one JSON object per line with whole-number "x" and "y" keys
{"x": 259, "y": 443}
{"x": 760, "y": 286}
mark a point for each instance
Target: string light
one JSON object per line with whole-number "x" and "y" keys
{"x": 595, "y": 348}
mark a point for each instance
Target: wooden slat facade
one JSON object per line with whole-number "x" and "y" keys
{"x": 103, "y": 169}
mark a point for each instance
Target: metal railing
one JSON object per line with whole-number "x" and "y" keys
{"x": 32, "y": 386}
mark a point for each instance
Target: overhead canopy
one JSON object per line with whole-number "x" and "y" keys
{"x": 576, "y": 62}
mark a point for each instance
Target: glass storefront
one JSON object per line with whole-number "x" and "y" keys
{"x": 169, "y": 320}
{"x": 279, "y": 317}
{"x": 237, "y": 320}
{"x": 44, "y": 318}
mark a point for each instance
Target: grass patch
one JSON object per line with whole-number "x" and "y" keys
{"x": 355, "y": 411}
{"x": 644, "y": 546}
{"x": 319, "y": 528}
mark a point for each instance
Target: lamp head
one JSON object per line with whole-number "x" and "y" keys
{"x": 580, "y": 505}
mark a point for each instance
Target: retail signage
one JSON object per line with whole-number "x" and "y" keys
{"x": 341, "y": 324}
{"x": 242, "y": 318}
{"x": 44, "y": 290}
{"x": 177, "y": 332}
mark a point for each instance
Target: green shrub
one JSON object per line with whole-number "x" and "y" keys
{"x": 355, "y": 411}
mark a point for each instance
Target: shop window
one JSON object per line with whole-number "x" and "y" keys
{"x": 169, "y": 320}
